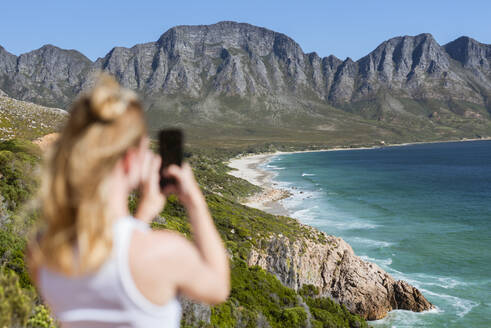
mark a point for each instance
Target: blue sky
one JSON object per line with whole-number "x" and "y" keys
{"x": 346, "y": 28}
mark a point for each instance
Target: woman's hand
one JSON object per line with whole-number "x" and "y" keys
{"x": 152, "y": 200}
{"x": 186, "y": 188}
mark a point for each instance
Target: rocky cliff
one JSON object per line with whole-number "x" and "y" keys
{"x": 332, "y": 266}
{"x": 240, "y": 72}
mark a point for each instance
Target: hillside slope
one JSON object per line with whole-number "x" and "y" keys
{"x": 22, "y": 119}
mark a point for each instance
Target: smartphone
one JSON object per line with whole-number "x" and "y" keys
{"x": 170, "y": 145}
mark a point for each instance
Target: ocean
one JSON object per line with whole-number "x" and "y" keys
{"x": 422, "y": 212}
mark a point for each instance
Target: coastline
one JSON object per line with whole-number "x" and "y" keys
{"x": 247, "y": 167}
{"x": 452, "y": 301}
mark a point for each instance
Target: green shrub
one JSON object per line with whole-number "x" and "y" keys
{"x": 333, "y": 315}
{"x": 12, "y": 255}
{"x": 15, "y": 302}
{"x": 41, "y": 318}
{"x": 294, "y": 317}
{"x": 309, "y": 290}
{"x": 222, "y": 317}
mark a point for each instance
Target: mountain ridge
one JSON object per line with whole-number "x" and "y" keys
{"x": 241, "y": 74}
{"x": 284, "y": 45}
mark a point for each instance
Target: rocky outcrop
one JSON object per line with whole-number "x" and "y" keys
{"x": 48, "y": 76}
{"x": 470, "y": 53}
{"x": 257, "y": 68}
{"x": 194, "y": 313}
{"x": 474, "y": 57}
{"x": 332, "y": 266}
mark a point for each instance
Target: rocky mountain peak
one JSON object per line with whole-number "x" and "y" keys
{"x": 332, "y": 61}
{"x": 7, "y": 63}
{"x": 402, "y": 58}
{"x": 229, "y": 35}
{"x": 48, "y": 75}
{"x": 470, "y": 53}
{"x": 49, "y": 52}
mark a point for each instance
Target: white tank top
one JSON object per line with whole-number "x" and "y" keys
{"x": 109, "y": 296}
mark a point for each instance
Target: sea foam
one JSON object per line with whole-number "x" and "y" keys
{"x": 462, "y": 306}
{"x": 370, "y": 242}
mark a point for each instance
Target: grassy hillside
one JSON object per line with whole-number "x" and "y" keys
{"x": 21, "y": 119}
{"x": 257, "y": 298}
{"x": 387, "y": 118}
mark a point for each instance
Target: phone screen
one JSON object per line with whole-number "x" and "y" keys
{"x": 170, "y": 144}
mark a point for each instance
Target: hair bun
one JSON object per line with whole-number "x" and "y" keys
{"x": 108, "y": 100}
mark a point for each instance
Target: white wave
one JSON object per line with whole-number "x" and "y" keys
{"x": 355, "y": 225}
{"x": 420, "y": 280}
{"x": 332, "y": 221}
{"x": 274, "y": 167}
{"x": 371, "y": 242}
{"x": 380, "y": 262}
{"x": 304, "y": 215}
{"x": 461, "y": 305}
{"x": 447, "y": 282}
{"x": 307, "y": 174}
{"x": 404, "y": 318}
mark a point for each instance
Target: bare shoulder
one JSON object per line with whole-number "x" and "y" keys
{"x": 162, "y": 243}
{"x": 164, "y": 249}
{"x": 156, "y": 262}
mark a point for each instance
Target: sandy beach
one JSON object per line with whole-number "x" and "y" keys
{"x": 248, "y": 168}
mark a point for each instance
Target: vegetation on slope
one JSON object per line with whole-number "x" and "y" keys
{"x": 21, "y": 119}
{"x": 257, "y": 299}
{"x": 243, "y": 123}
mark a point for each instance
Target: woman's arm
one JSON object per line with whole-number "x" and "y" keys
{"x": 204, "y": 272}
{"x": 199, "y": 269}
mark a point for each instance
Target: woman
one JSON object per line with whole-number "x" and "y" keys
{"x": 94, "y": 263}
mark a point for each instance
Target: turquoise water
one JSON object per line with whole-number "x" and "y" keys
{"x": 422, "y": 212}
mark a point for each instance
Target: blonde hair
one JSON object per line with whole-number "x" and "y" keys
{"x": 103, "y": 124}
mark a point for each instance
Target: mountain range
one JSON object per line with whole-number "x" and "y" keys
{"x": 233, "y": 75}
